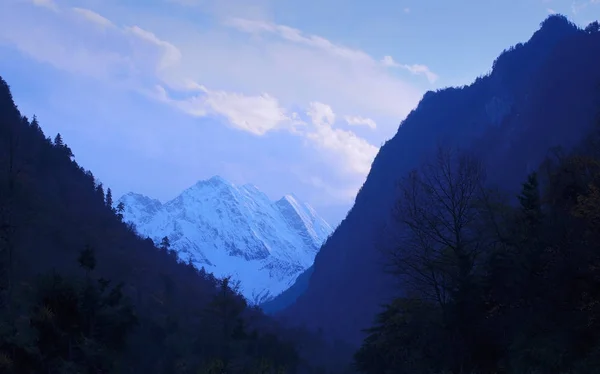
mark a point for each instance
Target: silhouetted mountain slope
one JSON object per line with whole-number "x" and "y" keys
{"x": 539, "y": 94}
{"x": 289, "y": 296}
{"x": 81, "y": 292}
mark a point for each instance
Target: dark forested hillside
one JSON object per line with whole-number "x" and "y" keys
{"x": 80, "y": 292}
{"x": 493, "y": 286}
{"x": 540, "y": 94}
{"x": 287, "y": 297}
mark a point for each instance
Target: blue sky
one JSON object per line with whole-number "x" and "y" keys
{"x": 290, "y": 95}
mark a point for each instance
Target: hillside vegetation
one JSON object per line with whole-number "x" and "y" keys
{"x": 81, "y": 292}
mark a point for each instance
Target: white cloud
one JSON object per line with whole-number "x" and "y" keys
{"x": 252, "y": 82}
{"x": 59, "y": 38}
{"x": 154, "y": 56}
{"x": 313, "y": 67}
{"x": 255, "y": 114}
{"x": 360, "y": 121}
{"x": 344, "y": 194}
{"x": 321, "y": 114}
{"x": 421, "y": 69}
{"x": 93, "y": 17}
{"x": 296, "y": 36}
{"x": 46, "y": 4}
{"x": 578, "y": 6}
{"x": 550, "y": 11}
{"x": 255, "y": 9}
{"x": 388, "y": 61}
{"x": 354, "y": 153}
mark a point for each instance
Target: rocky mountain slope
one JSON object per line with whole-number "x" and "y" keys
{"x": 289, "y": 296}
{"x": 540, "y": 94}
{"x": 235, "y": 231}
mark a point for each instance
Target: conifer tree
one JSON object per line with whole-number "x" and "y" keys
{"x": 109, "y": 199}
{"x": 165, "y": 244}
{"x": 60, "y": 144}
{"x": 100, "y": 192}
{"x": 58, "y": 141}
{"x": 530, "y": 200}
{"x": 593, "y": 27}
{"x": 35, "y": 125}
{"x": 87, "y": 259}
{"x": 120, "y": 210}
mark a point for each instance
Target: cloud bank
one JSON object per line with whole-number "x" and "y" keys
{"x": 248, "y": 74}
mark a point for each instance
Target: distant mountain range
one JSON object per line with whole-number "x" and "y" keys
{"x": 235, "y": 231}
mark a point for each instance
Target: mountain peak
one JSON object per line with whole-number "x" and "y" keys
{"x": 290, "y": 198}
{"x": 304, "y": 217}
{"x": 250, "y": 186}
{"x": 139, "y": 208}
{"x": 290, "y": 201}
{"x": 557, "y": 22}
{"x": 215, "y": 180}
{"x": 553, "y": 29}
{"x": 218, "y": 179}
{"x": 237, "y": 231}
{"x": 134, "y": 196}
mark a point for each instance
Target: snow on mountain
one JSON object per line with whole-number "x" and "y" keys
{"x": 235, "y": 231}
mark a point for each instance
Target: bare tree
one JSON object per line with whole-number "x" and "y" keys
{"x": 440, "y": 211}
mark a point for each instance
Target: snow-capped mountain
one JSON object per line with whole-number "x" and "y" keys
{"x": 235, "y": 231}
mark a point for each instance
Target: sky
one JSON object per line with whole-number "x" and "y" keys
{"x": 293, "y": 96}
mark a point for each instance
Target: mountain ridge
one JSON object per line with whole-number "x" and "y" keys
{"x": 234, "y": 231}
{"x": 527, "y": 94}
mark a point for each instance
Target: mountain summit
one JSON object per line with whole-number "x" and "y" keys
{"x": 235, "y": 231}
